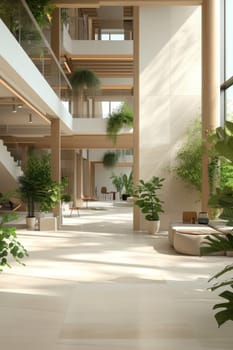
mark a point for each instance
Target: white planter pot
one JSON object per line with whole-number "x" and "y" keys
{"x": 31, "y": 223}
{"x": 152, "y": 226}
{"x": 48, "y": 223}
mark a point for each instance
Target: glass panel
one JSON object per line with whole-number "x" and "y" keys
{"x": 229, "y": 38}
{"x": 26, "y": 31}
{"x": 229, "y": 104}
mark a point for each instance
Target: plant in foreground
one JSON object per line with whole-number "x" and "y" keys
{"x": 9, "y": 245}
{"x": 214, "y": 244}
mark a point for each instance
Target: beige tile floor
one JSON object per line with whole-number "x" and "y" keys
{"x": 96, "y": 285}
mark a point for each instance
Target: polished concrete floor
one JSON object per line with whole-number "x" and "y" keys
{"x": 97, "y": 285}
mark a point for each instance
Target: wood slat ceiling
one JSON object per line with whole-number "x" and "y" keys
{"x": 104, "y": 68}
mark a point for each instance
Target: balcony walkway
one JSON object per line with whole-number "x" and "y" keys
{"x": 96, "y": 285}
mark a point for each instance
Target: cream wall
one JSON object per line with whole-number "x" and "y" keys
{"x": 170, "y": 97}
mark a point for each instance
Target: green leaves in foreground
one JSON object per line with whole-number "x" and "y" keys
{"x": 9, "y": 245}
{"x": 213, "y": 244}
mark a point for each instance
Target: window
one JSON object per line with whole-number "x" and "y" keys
{"x": 109, "y": 106}
{"x": 227, "y": 60}
{"x": 110, "y": 34}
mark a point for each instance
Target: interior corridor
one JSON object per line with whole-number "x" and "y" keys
{"x": 97, "y": 285}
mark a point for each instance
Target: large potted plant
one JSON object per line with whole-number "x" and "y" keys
{"x": 147, "y": 199}
{"x": 37, "y": 189}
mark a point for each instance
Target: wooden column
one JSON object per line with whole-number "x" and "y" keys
{"x": 210, "y": 83}
{"x": 136, "y": 127}
{"x": 56, "y": 157}
{"x": 79, "y": 175}
{"x": 55, "y": 33}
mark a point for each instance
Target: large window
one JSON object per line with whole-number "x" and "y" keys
{"x": 109, "y": 106}
{"x": 227, "y": 60}
{"x": 110, "y": 34}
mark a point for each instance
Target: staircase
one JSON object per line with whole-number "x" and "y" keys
{"x": 9, "y": 170}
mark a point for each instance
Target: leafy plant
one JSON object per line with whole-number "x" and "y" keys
{"x": 82, "y": 79}
{"x": 213, "y": 244}
{"x": 117, "y": 182}
{"x": 36, "y": 185}
{"x": 42, "y": 10}
{"x": 9, "y": 245}
{"x": 128, "y": 183}
{"x": 110, "y": 159}
{"x": 66, "y": 198}
{"x": 118, "y": 119}
{"x": 189, "y": 159}
{"x": 222, "y": 143}
{"x": 148, "y": 199}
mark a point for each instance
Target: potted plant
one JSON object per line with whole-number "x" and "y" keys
{"x": 117, "y": 182}
{"x": 128, "y": 185}
{"x": 37, "y": 189}
{"x": 148, "y": 201}
{"x": 118, "y": 119}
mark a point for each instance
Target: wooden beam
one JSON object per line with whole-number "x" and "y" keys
{"x": 124, "y": 141}
{"x": 98, "y": 3}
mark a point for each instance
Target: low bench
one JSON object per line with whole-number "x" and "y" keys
{"x": 187, "y": 238}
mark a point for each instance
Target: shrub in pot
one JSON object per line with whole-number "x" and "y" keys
{"x": 36, "y": 187}
{"x": 148, "y": 201}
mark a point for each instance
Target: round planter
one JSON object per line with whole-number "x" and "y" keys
{"x": 31, "y": 223}
{"x": 152, "y": 226}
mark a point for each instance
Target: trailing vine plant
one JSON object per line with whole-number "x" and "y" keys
{"x": 118, "y": 119}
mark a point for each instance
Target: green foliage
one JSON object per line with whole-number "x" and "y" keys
{"x": 66, "y": 197}
{"x": 222, "y": 143}
{"x": 189, "y": 159}
{"x": 84, "y": 79}
{"x": 128, "y": 183}
{"x": 117, "y": 182}
{"x": 118, "y": 119}
{"x": 42, "y": 10}
{"x": 189, "y": 156}
{"x": 9, "y": 245}
{"x": 36, "y": 185}
{"x": 148, "y": 200}
{"x": 110, "y": 159}
{"x": 223, "y": 198}
{"x": 123, "y": 181}
{"x": 214, "y": 244}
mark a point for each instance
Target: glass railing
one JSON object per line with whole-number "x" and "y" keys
{"x": 18, "y": 18}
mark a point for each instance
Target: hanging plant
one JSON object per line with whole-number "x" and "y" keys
{"x": 110, "y": 159}
{"x": 82, "y": 79}
{"x": 118, "y": 119}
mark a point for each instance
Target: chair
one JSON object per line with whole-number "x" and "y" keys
{"x": 79, "y": 204}
{"x": 189, "y": 217}
{"x": 104, "y": 192}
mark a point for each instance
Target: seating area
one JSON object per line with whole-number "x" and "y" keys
{"x": 188, "y": 236}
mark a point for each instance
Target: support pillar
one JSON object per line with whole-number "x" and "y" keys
{"x": 55, "y": 33}
{"x": 56, "y": 158}
{"x": 79, "y": 175}
{"x": 210, "y": 83}
{"x": 136, "y": 141}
